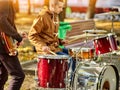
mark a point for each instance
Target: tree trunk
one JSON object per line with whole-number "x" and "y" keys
{"x": 46, "y": 2}
{"x": 91, "y": 9}
{"x": 29, "y": 7}
{"x": 16, "y": 6}
{"x": 62, "y": 15}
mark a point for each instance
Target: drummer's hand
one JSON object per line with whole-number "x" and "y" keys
{"x": 64, "y": 41}
{"x": 46, "y": 49}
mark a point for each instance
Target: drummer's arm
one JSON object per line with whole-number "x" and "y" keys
{"x": 33, "y": 35}
{"x": 35, "y": 39}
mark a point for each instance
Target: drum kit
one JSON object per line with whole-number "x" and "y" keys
{"x": 52, "y": 70}
{"x": 91, "y": 75}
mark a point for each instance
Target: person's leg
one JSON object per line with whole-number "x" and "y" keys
{"x": 65, "y": 50}
{"x": 12, "y": 65}
{"x": 3, "y": 76}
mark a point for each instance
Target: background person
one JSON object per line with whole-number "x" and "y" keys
{"x": 9, "y": 65}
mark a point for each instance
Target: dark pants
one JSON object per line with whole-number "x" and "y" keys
{"x": 10, "y": 65}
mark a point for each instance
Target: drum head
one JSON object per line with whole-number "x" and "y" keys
{"x": 108, "y": 78}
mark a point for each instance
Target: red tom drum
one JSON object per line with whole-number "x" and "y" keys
{"x": 52, "y": 71}
{"x": 102, "y": 45}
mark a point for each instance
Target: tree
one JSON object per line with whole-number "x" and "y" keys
{"x": 16, "y": 4}
{"x": 46, "y": 2}
{"x": 62, "y": 15}
{"x": 29, "y": 7}
{"x": 91, "y": 9}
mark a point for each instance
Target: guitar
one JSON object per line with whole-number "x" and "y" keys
{"x": 8, "y": 43}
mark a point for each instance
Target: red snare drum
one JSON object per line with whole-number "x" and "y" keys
{"x": 112, "y": 41}
{"x": 52, "y": 71}
{"x": 102, "y": 45}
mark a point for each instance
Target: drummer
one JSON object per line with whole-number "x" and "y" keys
{"x": 44, "y": 32}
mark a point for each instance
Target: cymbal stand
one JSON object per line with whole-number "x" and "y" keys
{"x": 112, "y": 17}
{"x": 78, "y": 64}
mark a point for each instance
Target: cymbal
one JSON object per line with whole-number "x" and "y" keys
{"x": 110, "y": 13}
{"x": 84, "y": 35}
{"x": 95, "y": 31}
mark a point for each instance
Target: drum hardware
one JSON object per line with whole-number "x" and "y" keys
{"x": 113, "y": 13}
{"x": 48, "y": 61}
{"x": 47, "y": 84}
{"x": 61, "y": 61}
{"x": 94, "y": 31}
{"x": 60, "y": 84}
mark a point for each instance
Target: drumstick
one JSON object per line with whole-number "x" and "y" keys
{"x": 73, "y": 39}
{"x": 52, "y": 53}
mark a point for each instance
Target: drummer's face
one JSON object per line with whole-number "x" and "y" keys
{"x": 58, "y": 7}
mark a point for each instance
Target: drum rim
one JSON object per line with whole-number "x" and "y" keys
{"x": 54, "y": 56}
{"x": 99, "y": 37}
{"x": 86, "y": 49}
{"x": 116, "y": 73}
{"x": 110, "y": 34}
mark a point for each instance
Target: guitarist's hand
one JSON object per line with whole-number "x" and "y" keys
{"x": 19, "y": 43}
{"x": 24, "y": 35}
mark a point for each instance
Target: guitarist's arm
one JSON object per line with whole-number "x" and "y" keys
{"x": 9, "y": 29}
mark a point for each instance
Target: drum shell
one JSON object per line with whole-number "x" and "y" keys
{"x": 51, "y": 72}
{"x": 87, "y": 53}
{"x": 95, "y": 77}
{"x": 82, "y": 53}
{"x": 112, "y": 41}
{"x": 101, "y": 45}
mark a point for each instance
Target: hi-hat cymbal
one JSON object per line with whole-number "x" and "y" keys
{"x": 95, "y": 31}
{"x": 84, "y": 35}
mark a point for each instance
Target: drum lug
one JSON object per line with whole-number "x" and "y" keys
{"x": 110, "y": 49}
{"x": 107, "y": 38}
{"x": 38, "y": 60}
{"x": 47, "y": 84}
{"x": 48, "y": 61}
{"x": 61, "y": 61}
{"x": 60, "y": 84}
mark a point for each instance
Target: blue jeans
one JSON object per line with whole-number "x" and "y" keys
{"x": 71, "y": 62}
